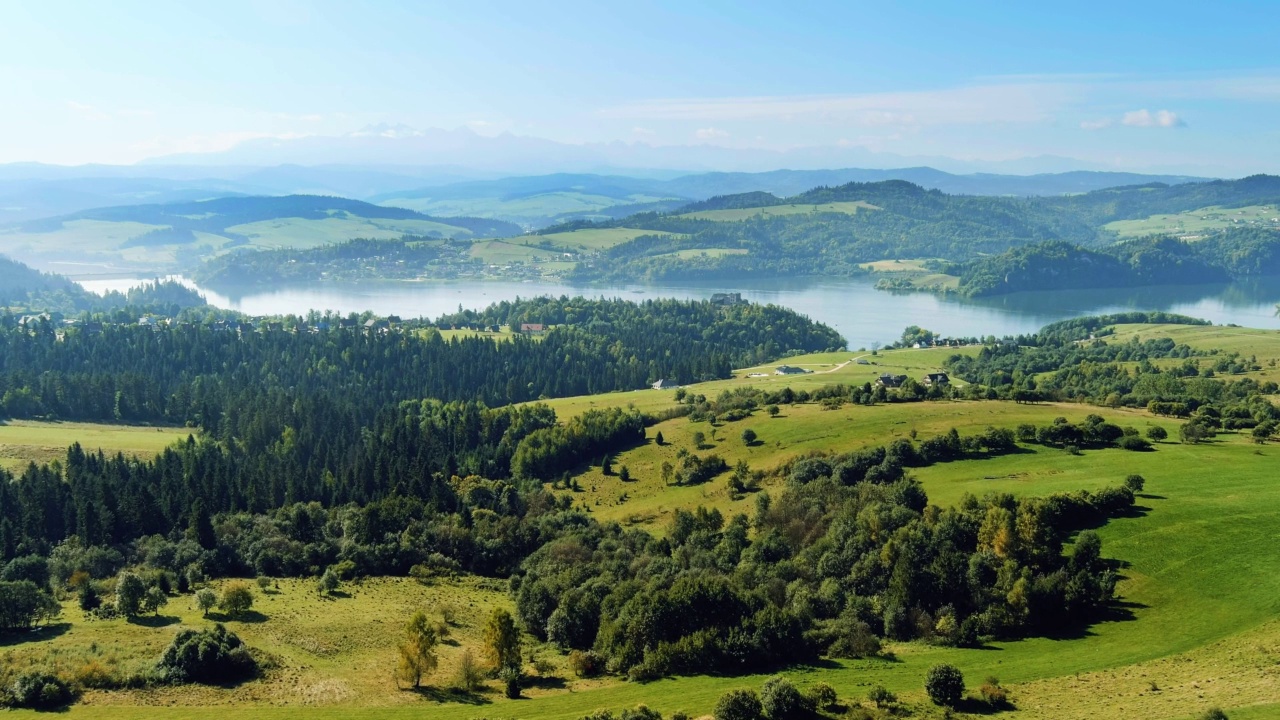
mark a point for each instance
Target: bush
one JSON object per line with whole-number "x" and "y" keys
{"x": 1133, "y": 443}
{"x": 881, "y": 697}
{"x": 40, "y": 691}
{"x": 470, "y": 676}
{"x": 1135, "y": 483}
{"x": 586, "y": 664}
{"x": 822, "y": 696}
{"x": 328, "y": 583}
{"x": 738, "y": 705}
{"x": 130, "y": 591}
{"x": 206, "y": 599}
{"x": 207, "y": 656}
{"x": 237, "y": 598}
{"x": 994, "y": 695}
{"x": 1157, "y": 433}
{"x": 1213, "y": 714}
{"x": 781, "y": 700}
{"x": 944, "y": 684}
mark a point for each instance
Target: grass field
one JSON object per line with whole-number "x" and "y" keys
{"x": 704, "y": 252}
{"x": 1202, "y": 220}
{"x": 502, "y": 252}
{"x": 913, "y": 272}
{"x": 1249, "y": 342}
{"x": 1197, "y": 625}
{"x": 26, "y": 441}
{"x": 738, "y": 214}
{"x": 1200, "y": 591}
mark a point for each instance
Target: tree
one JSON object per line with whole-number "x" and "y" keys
{"x": 667, "y": 470}
{"x": 202, "y": 526}
{"x": 1156, "y": 433}
{"x": 237, "y": 598}
{"x": 1135, "y": 483}
{"x": 207, "y": 656}
{"x": 881, "y": 697}
{"x": 699, "y": 438}
{"x": 205, "y": 600}
{"x": 154, "y": 599}
{"x": 781, "y": 700}
{"x": 773, "y": 411}
{"x": 88, "y": 598}
{"x": 417, "y": 651}
{"x": 822, "y": 696}
{"x": 502, "y": 641}
{"x": 659, "y": 439}
{"x": 748, "y": 436}
{"x": 624, "y": 474}
{"x": 606, "y": 465}
{"x": 944, "y": 684}
{"x": 1263, "y": 431}
{"x": 328, "y": 583}
{"x": 129, "y": 593}
{"x": 738, "y": 705}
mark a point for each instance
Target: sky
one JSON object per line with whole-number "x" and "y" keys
{"x": 1147, "y": 86}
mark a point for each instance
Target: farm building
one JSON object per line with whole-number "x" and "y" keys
{"x": 937, "y": 378}
{"x": 891, "y": 381}
{"x": 665, "y": 384}
{"x": 790, "y": 370}
{"x": 532, "y": 327}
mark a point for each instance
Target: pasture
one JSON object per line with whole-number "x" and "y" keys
{"x": 1199, "y": 221}
{"x": 594, "y": 239}
{"x": 27, "y": 441}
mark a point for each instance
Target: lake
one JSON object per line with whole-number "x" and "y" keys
{"x": 853, "y": 307}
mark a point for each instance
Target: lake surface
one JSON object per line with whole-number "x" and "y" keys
{"x": 853, "y": 307}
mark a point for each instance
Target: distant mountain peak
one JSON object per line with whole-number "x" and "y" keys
{"x": 396, "y": 131}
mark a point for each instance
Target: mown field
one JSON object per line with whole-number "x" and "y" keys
{"x": 1201, "y": 220}
{"x": 26, "y": 441}
{"x": 738, "y": 214}
{"x": 593, "y": 239}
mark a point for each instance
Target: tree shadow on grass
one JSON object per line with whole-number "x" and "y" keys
{"x": 549, "y": 682}
{"x": 976, "y": 706}
{"x": 45, "y": 632}
{"x": 1115, "y": 611}
{"x": 1148, "y": 496}
{"x": 250, "y": 616}
{"x": 451, "y": 695}
{"x": 154, "y": 621}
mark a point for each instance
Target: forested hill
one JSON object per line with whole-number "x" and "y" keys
{"x": 1235, "y": 253}
{"x": 1140, "y": 201}
{"x": 217, "y": 215}
{"x": 25, "y": 290}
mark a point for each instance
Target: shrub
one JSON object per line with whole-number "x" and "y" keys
{"x": 40, "y": 691}
{"x": 207, "y": 656}
{"x": 738, "y": 705}
{"x": 993, "y": 694}
{"x": 328, "y": 582}
{"x": 510, "y": 677}
{"x": 781, "y": 700}
{"x": 237, "y": 598}
{"x": 822, "y": 696}
{"x": 1157, "y": 433}
{"x": 586, "y": 664}
{"x": 748, "y": 436}
{"x": 881, "y": 697}
{"x": 1135, "y": 483}
{"x": 944, "y": 684}
{"x": 1133, "y": 443}
{"x": 94, "y": 674}
{"x": 88, "y": 597}
{"x": 1214, "y": 714}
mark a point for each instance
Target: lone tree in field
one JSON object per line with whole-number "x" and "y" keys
{"x": 417, "y": 651}
{"x": 328, "y": 582}
{"x": 781, "y": 700}
{"x": 502, "y": 641}
{"x": 1135, "y": 483}
{"x": 130, "y": 591}
{"x": 945, "y": 685}
{"x": 659, "y": 439}
{"x": 154, "y": 599}
{"x": 237, "y": 598}
{"x": 206, "y": 599}
{"x": 748, "y": 436}
{"x": 1157, "y": 433}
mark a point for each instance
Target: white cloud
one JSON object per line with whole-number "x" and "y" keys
{"x": 214, "y": 142}
{"x": 1146, "y": 118}
{"x": 87, "y": 111}
{"x": 1097, "y": 124}
{"x": 643, "y": 132}
{"x": 710, "y": 133}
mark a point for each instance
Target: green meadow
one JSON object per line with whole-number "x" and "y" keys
{"x": 1196, "y": 625}
{"x": 1199, "y": 221}
{"x": 26, "y": 441}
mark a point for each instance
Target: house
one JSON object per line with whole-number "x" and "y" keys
{"x": 938, "y": 378}
{"x": 532, "y": 327}
{"x": 790, "y": 370}
{"x": 863, "y": 361}
{"x": 665, "y": 384}
{"x": 727, "y": 299}
{"x": 891, "y": 381}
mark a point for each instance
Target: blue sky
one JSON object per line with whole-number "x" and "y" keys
{"x": 1145, "y": 86}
